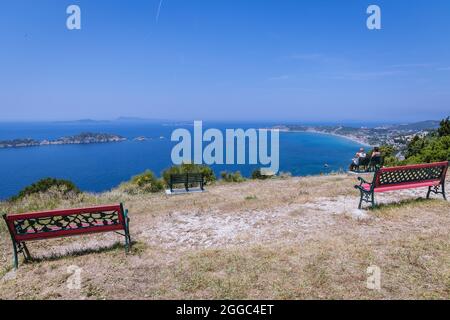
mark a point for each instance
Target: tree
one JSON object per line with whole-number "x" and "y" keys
{"x": 388, "y": 153}
{"x": 438, "y": 149}
{"x": 415, "y": 146}
{"x": 444, "y": 129}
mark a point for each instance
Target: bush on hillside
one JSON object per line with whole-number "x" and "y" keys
{"x": 285, "y": 175}
{"x": 434, "y": 150}
{"x": 146, "y": 182}
{"x": 415, "y": 146}
{"x": 207, "y": 172}
{"x": 388, "y": 153}
{"x": 65, "y": 187}
{"x": 256, "y": 174}
{"x": 434, "y": 147}
{"x": 232, "y": 177}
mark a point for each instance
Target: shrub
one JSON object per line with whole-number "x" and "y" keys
{"x": 232, "y": 177}
{"x": 415, "y": 146}
{"x": 256, "y": 174}
{"x": 388, "y": 154}
{"x": 435, "y": 150}
{"x": 53, "y": 198}
{"x": 444, "y": 129}
{"x": 207, "y": 172}
{"x": 146, "y": 182}
{"x": 287, "y": 175}
{"x": 434, "y": 147}
{"x": 65, "y": 187}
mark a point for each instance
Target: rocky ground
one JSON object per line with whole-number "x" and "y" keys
{"x": 291, "y": 238}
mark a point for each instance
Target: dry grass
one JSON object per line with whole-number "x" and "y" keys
{"x": 294, "y": 238}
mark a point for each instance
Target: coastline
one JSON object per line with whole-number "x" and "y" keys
{"x": 354, "y": 139}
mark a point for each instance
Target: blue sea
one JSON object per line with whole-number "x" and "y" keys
{"x": 100, "y": 167}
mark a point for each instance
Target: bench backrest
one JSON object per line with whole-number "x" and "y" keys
{"x": 195, "y": 177}
{"x": 186, "y": 178}
{"x": 410, "y": 174}
{"x": 376, "y": 161}
{"x": 364, "y": 161}
{"x": 68, "y": 222}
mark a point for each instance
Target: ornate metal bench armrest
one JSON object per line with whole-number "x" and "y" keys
{"x": 362, "y": 181}
{"x": 360, "y": 188}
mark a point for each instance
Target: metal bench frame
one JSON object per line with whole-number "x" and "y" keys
{"x": 368, "y": 164}
{"x": 430, "y": 175}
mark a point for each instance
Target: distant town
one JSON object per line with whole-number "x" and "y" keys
{"x": 83, "y": 138}
{"x": 397, "y": 136}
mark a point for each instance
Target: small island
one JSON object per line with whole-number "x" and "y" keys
{"x": 141, "y": 139}
{"x": 82, "y": 138}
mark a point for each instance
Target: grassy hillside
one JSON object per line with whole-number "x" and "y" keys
{"x": 292, "y": 238}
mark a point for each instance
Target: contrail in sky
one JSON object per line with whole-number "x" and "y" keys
{"x": 159, "y": 10}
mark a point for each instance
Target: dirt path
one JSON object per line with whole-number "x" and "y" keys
{"x": 288, "y": 223}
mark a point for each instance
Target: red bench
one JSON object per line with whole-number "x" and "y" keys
{"x": 431, "y": 175}
{"x": 63, "y": 223}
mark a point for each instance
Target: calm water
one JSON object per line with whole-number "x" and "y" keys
{"x": 100, "y": 167}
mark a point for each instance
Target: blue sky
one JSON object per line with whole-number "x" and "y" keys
{"x": 280, "y": 60}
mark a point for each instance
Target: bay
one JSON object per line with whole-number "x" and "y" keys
{"x": 101, "y": 167}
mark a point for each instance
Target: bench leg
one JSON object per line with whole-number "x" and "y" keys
{"x": 25, "y": 251}
{"x": 128, "y": 237}
{"x": 443, "y": 191}
{"x": 127, "y": 233}
{"x": 127, "y": 242}
{"x": 20, "y": 248}
{"x": 16, "y": 257}
{"x": 360, "y": 201}
{"x": 368, "y": 197}
{"x": 435, "y": 190}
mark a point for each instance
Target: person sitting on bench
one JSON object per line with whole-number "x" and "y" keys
{"x": 358, "y": 156}
{"x": 376, "y": 160}
{"x": 376, "y": 152}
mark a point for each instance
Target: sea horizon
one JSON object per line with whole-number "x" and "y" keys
{"x": 102, "y": 167}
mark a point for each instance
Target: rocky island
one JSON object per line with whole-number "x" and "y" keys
{"x": 82, "y": 138}
{"x": 140, "y": 139}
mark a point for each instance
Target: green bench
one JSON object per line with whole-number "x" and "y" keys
{"x": 188, "y": 180}
{"x": 369, "y": 164}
